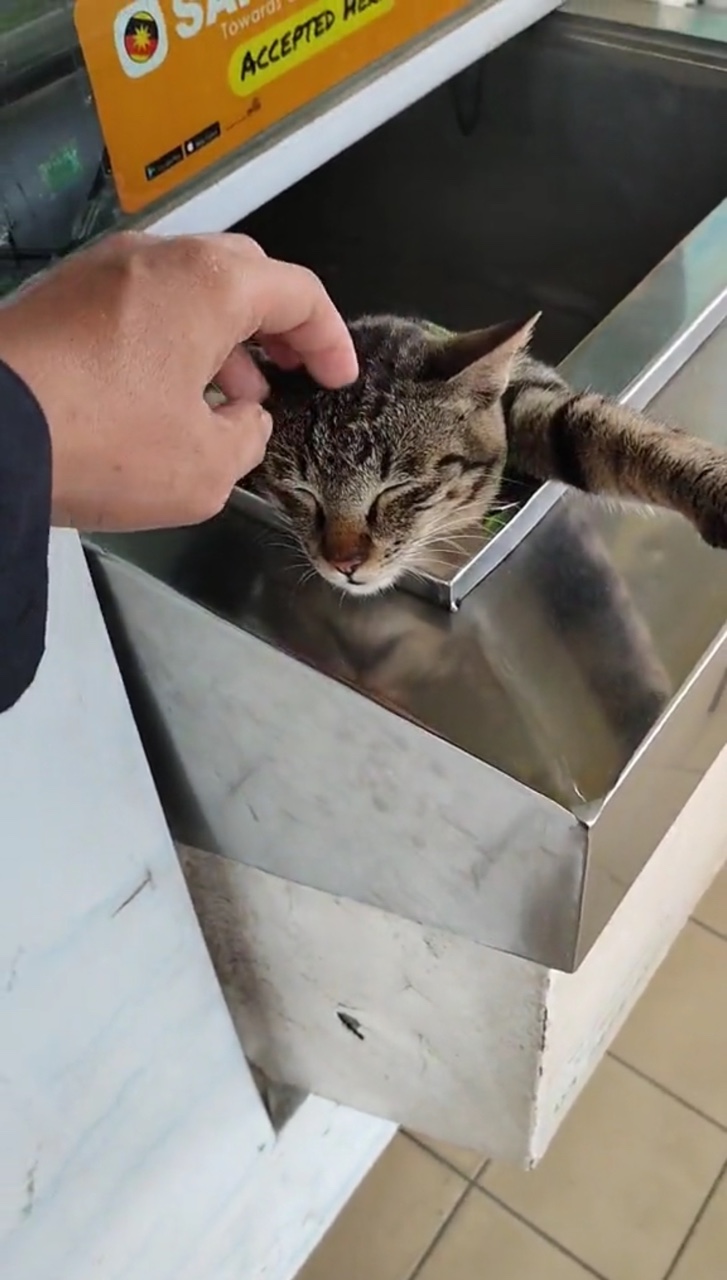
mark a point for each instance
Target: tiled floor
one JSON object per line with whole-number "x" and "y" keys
{"x": 633, "y": 1188}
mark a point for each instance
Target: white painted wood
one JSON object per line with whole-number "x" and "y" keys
{"x": 297, "y": 1190}
{"x": 128, "y": 1117}
{"x": 438, "y": 1033}
{"x": 586, "y": 1009}
{"x": 133, "y": 1144}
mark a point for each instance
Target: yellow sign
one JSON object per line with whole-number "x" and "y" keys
{"x": 291, "y": 43}
{"x": 180, "y": 84}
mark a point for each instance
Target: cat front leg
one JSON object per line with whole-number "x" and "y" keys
{"x": 602, "y": 447}
{"x": 706, "y": 497}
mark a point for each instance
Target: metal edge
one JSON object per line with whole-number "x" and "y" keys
{"x": 659, "y": 19}
{"x": 580, "y": 368}
{"x": 670, "y": 360}
{"x": 589, "y": 812}
{"x": 249, "y": 504}
{"x": 597, "y": 910}
{"x": 640, "y": 371}
{"x": 492, "y": 554}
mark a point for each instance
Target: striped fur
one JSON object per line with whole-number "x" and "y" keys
{"x": 372, "y": 475}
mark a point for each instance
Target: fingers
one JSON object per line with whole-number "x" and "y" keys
{"x": 247, "y": 429}
{"x": 289, "y": 303}
{"x": 285, "y": 304}
{"x": 280, "y": 353}
{"x": 240, "y": 379}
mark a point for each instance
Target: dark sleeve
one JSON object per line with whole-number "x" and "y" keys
{"x": 25, "y": 500}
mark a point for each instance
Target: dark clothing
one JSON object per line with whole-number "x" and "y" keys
{"x": 25, "y": 503}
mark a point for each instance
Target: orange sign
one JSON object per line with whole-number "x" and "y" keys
{"x": 181, "y": 83}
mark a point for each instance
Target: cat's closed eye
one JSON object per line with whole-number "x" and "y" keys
{"x": 411, "y": 493}
{"x": 457, "y": 462}
{"x": 310, "y": 501}
{"x": 305, "y": 495}
{"x": 383, "y": 498}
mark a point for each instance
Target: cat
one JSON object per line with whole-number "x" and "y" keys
{"x": 416, "y": 449}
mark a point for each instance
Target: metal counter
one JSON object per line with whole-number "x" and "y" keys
{"x": 503, "y": 772}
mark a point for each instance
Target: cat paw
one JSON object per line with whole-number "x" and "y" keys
{"x": 713, "y": 529}
{"x": 711, "y": 516}
{"x": 706, "y": 493}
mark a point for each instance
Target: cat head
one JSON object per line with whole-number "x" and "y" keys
{"x": 371, "y": 475}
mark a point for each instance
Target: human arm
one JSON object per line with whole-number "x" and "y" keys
{"x": 114, "y": 350}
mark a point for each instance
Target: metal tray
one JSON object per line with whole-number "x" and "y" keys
{"x": 454, "y": 569}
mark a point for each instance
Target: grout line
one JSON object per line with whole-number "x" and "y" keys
{"x": 585, "y": 1266}
{"x": 436, "y": 1155}
{"x": 469, "y": 1188}
{"x": 675, "y": 1097}
{"x": 708, "y": 928}
{"x": 700, "y": 1214}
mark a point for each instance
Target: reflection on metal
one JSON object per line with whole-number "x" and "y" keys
{"x": 453, "y": 569}
{"x": 502, "y": 772}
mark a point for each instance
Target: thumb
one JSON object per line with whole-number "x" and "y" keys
{"x": 247, "y": 427}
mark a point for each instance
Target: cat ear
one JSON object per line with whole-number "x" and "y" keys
{"x": 482, "y": 360}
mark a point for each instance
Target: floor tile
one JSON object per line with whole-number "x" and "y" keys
{"x": 468, "y": 1163}
{"x": 624, "y": 1178}
{"x": 484, "y": 1241}
{"x": 712, "y": 910}
{"x": 705, "y": 1257}
{"x": 677, "y": 1033}
{"x": 390, "y": 1221}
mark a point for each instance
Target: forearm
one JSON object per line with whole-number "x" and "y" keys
{"x": 25, "y": 503}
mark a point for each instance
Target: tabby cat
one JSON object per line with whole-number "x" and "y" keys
{"x": 371, "y": 475}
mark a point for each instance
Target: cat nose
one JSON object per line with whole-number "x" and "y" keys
{"x": 345, "y": 548}
{"x": 347, "y": 565}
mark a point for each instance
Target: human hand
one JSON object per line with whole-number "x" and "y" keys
{"x": 119, "y": 344}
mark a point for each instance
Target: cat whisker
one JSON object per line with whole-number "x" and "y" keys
{"x": 454, "y": 539}
{"x": 450, "y": 542}
{"x": 296, "y": 554}
{"x": 288, "y": 545}
{"x": 520, "y": 484}
{"x": 302, "y": 568}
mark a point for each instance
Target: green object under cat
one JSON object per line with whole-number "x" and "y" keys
{"x": 496, "y": 522}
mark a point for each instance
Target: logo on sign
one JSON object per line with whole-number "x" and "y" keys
{"x": 140, "y": 36}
